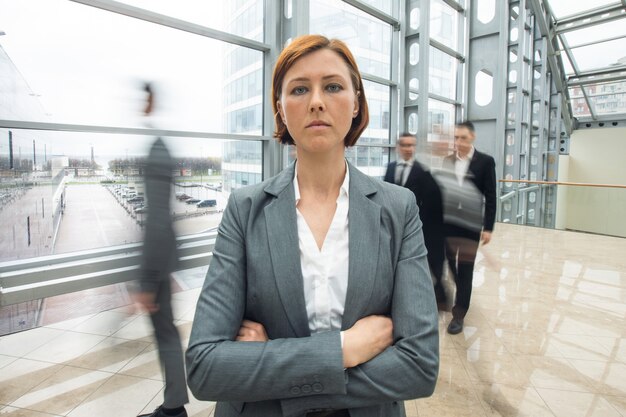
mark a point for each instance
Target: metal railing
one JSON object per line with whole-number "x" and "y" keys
{"x": 47, "y": 276}
{"x": 589, "y": 207}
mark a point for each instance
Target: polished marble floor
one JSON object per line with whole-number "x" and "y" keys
{"x": 545, "y": 336}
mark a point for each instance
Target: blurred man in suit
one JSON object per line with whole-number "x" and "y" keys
{"x": 470, "y": 212}
{"x": 409, "y": 173}
{"x": 159, "y": 260}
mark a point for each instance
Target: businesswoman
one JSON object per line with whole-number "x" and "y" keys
{"x": 318, "y": 300}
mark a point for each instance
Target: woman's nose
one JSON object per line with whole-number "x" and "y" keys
{"x": 317, "y": 102}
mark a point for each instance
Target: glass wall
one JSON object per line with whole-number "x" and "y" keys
{"x": 78, "y": 184}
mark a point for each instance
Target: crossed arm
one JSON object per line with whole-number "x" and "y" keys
{"x": 230, "y": 359}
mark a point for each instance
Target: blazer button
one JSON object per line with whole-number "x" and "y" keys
{"x": 295, "y": 390}
{"x": 317, "y": 387}
{"x": 306, "y": 388}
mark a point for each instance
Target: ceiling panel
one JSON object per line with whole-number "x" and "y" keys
{"x": 562, "y": 8}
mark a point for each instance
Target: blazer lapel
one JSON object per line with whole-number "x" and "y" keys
{"x": 282, "y": 233}
{"x": 364, "y": 234}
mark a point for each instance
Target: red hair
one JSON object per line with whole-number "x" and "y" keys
{"x": 305, "y": 45}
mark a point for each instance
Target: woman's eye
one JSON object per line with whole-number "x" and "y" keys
{"x": 299, "y": 90}
{"x": 334, "y": 88}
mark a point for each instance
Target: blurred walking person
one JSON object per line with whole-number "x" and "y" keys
{"x": 159, "y": 260}
{"x": 469, "y": 190}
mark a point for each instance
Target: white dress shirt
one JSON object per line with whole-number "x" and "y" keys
{"x": 462, "y": 165}
{"x": 325, "y": 271}
{"x": 407, "y": 166}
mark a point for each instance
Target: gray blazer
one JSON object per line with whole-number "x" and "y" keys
{"x": 255, "y": 274}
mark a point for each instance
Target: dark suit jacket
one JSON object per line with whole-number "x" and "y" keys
{"x": 255, "y": 274}
{"x": 482, "y": 172}
{"x": 159, "y": 257}
{"x": 428, "y": 197}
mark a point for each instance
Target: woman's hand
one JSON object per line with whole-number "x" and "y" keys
{"x": 366, "y": 339}
{"x": 251, "y": 331}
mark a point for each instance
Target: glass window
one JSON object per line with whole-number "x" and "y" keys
{"x": 486, "y": 11}
{"x": 71, "y": 191}
{"x": 484, "y": 88}
{"x": 444, "y": 23}
{"x": 600, "y": 55}
{"x": 86, "y": 66}
{"x": 239, "y": 17}
{"x": 562, "y": 8}
{"x": 442, "y": 73}
{"x": 370, "y": 160}
{"x": 368, "y": 38}
{"x": 440, "y": 121}
{"x": 382, "y": 5}
{"x": 378, "y": 102}
{"x": 595, "y": 33}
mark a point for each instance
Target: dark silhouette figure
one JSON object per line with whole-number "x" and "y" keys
{"x": 428, "y": 196}
{"x": 468, "y": 182}
{"x": 159, "y": 260}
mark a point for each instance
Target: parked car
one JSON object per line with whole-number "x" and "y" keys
{"x": 141, "y": 209}
{"x": 182, "y": 196}
{"x": 207, "y": 203}
{"x": 192, "y": 201}
{"x": 137, "y": 199}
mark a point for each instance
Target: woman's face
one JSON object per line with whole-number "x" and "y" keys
{"x": 318, "y": 102}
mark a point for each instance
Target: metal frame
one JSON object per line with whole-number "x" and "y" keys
{"x": 67, "y": 127}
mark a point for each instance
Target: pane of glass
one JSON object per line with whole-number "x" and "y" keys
{"x": 66, "y": 185}
{"x": 484, "y": 88}
{"x": 414, "y": 18}
{"x": 382, "y": 5}
{"x": 609, "y": 103}
{"x": 413, "y": 88}
{"x": 440, "y": 121}
{"x": 442, "y": 73}
{"x": 239, "y": 17}
{"x": 596, "y": 33}
{"x": 242, "y": 164}
{"x": 412, "y": 123}
{"x": 86, "y": 66}
{"x": 600, "y": 55}
{"x": 369, "y": 39}
{"x": 562, "y": 8}
{"x": 486, "y": 10}
{"x": 378, "y": 102}
{"x": 372, "y": 161}
{"x": 414, "y": 53}
{"x": 444, "y": 23}
{"x": 580, "y": 107}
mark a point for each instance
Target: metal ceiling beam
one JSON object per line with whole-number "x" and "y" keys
{"x": 543, "y": 19}
{"x": 590, "y": 18}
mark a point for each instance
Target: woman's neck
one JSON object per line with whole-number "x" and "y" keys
{"x": 321, "y": 175}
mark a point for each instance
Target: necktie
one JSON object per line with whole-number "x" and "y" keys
{"x": 400, "y": 172}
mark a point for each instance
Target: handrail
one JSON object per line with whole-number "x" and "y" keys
{"x": 32, "y": 279}
{"x": 577, "y": 184}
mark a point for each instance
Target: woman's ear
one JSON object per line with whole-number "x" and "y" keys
{"x": 279, "y": 112}
{"x": 355, "y": 113}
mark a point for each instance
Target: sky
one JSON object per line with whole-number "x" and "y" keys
{"x": 85, "y": 66}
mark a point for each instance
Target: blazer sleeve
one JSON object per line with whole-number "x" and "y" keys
{"x": 222, "y": 369}
{"x": 409, "y": 368}
{"x": 489, "y": 187}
